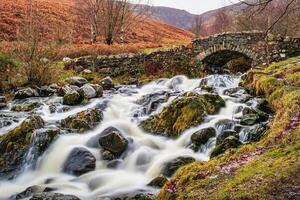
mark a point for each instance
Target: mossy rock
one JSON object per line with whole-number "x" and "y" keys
{"x": 84, "y": 120}
{"x": 15, "y": 144}
{"x": 158, "y": 182}
{"x": 26, "y": 107}
{"x": 185, "y": 111}
{"x": 228, "y": 143}
{"x": 53, "y": 196}
{"x": 202, "y": 136}
{"x": 73, "y": 98}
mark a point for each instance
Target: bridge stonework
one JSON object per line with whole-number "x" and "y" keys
{"x": 254, "y": 45}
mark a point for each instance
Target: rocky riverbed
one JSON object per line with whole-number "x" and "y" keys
{"x": 102, "y": 141}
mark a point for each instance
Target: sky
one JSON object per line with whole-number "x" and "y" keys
{"x": 193, "y": 6}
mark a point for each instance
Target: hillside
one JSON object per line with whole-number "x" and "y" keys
{"x": 58, "y": 20}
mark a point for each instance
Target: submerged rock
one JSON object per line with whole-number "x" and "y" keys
{"x": 53, "y": 196}
{"x": 80, "y": 161}
{"x": 26, "y": 93}
{"x": 158, "y": 182}
{"x": 185, "y": 111}
{"x": 15, "y": 144}
{"x": 171, "y": 167}
{"x": 84, "y": 120}
{"x": 107, "y": 83}
{"x": 30, "y": 191}
{"x": 73, "y": 98}
{"x": 229, "y": 142}
{"x": 78, "y": 81}
{"x": 113, "y": 141}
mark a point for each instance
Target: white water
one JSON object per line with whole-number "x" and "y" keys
{"x": 145, "y": 157}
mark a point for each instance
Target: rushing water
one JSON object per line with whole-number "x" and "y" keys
{"x": 147, "y": 153}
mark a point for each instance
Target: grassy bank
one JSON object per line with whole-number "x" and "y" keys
{"x": 268, "y": 169}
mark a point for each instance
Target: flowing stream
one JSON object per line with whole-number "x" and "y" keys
{"x": 146, "y": 154}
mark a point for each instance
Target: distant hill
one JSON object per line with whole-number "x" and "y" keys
{"x": 57, "y": 19}
{"x": 186, "y": 20}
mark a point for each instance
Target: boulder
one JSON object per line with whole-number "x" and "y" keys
{"x": 262, "y": 116}
{"x": 107, "y": 83}
{"x": 67, "y": 89}
{"x": 254, "y": 134}
{"x": 53, "y": 196}
{"x": 250, "y": 119}
{"x": 25, "y": 107}
{"x": 76, "y": 80}
{"x": 113, "y": 141}
{"x": 80, "y": 161}
{"x": 225, "y": 124}
{"x": 15, "y": 144}
{"x": 47, "y": 91}
{"x": 84, "y": 120}
{"x": 158, "y": 182}
{"x": 73, "y": 98}
{"x": 202, "y": 136}
{"x": 98, "y": 89}
{"x": 228, "y": 143}
{"x": 184, "y": 112}
{"x": 225, "y": 134}
{"x": 26, "y": 93}
{"x": 171, "y": 167}
{"x": 88, "y": 91}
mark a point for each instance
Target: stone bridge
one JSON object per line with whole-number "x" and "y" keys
{"x": 247, "y": 49}
{"x": 252, "y": 47}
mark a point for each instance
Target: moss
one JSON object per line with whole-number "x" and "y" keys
{"x": 185, "y": 111}
{"x": 268, "y": 169}
{"x": 83, "y": 121}
{"x": 14, "y": 144}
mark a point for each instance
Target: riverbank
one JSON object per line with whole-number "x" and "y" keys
{"x": 268, "y": 169}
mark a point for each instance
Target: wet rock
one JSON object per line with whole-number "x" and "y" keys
{"x": 98, "y": 89}
{"x": 150, "y": 102}
{"x": 46, "y": 91}
{"x": 202, "y": 136}
{"x": 84, "y": 120}
{"x": 225, "y": 134}
{"x": 262, "y": 116}
{"x": 249, "y": 119}
{"x": 158, "y": 182}
{"x": 53, "y": 196}
{"x": 107, "y": 83}
{"x": 171, "y": 167}
{"x": 229, "y": 142}
{"x": 25, "y": 107}
{"x": 80, "y": 161}
{"x": 107, "y": 155}
{"x": 88, "y": 91}
{"x": 78, "y": 81}
{"x": 30, "y": 191}
{"x": 15, "y": 144}
{"x": 225, "y": 124}
{"x": 73, "y": 98}
{"x": 3, "y": 102}
{"x": 263, "y": 105}
{"x": 142, "y": 197}
{"x": 26, "y": 93}
{"x": 113, "y": 141}
{"x": 67, "y": 89}
{"x": 254, "y": 134}
{"x": 185, "y": 111}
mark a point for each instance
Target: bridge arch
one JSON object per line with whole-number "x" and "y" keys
{"x": 220, "y": 58}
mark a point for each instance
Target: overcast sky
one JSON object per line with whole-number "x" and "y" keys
{"x": 194, "y": 6}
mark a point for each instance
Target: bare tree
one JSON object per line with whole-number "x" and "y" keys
{"x": 261, "y": 5}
